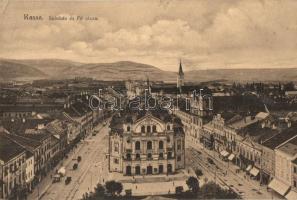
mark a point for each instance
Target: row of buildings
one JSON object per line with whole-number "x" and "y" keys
{"x": 32, "y": 144}
{"x": 238, "y": 126}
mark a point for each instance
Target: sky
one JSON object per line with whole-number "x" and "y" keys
{"x": 204, "y": 34}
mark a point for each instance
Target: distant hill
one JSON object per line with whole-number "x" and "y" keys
{"x": 264, "y": 75}
{"x": 123, "y": 70}
{"x": 10, "y": 70}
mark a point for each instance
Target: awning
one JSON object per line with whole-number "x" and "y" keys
{"x": 224, "y": 153}
{"x": 57, "y": 176}
{"x": 278, "y": 186}
{"x": 231, "y": 157}
{"x": 254, "y": 171}
{"x": 292, "y": 195}
{"x": 248, "y": 168}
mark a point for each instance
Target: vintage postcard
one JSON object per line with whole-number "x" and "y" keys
{"x": 148, "y": 99}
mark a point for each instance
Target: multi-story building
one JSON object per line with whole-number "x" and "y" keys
{"x": 292, "y": 194}
{"x": 29, "y": 170}
{"x": 284, "y": 155}
{"x": 13, "y": 168}
{"x": 268, "y": 153}
{"x": 146, "y": 143}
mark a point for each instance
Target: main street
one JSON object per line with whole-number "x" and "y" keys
{"x": 92, "y": 169}
{"x": 224, "y": 174}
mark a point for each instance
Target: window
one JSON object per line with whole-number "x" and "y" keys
{"x": 178, "y": 158}
{"x": 148, "y": 129}
{"x": 142, "y": 129}
{"x": 295, "y": 183}
{"x": 149, "y": 145}
{"x": 161, "y": 155}
{"x": 137, "y": 156}
{"x": 169, "y": 154}
{"x": 154, "y": 128}
{"x": 295, "y": 169}
{"x": 161, "y": 144}
{"x": 128, "y": 128}
{"x": 128, "y": 155}
{"x": 137, "y": 145}
{"x": 168, "y": 127}
{"x": 116, "y": 147}
{"x": 149, "y": 156}
{"x": 178, "y": 145}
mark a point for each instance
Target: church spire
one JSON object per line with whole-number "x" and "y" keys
{"x": 180, "y": 72}
{"x": 180, "y": 77}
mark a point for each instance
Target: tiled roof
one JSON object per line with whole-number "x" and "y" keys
{"x": 282, "y": 137}
{"x": 8, "y": 148}
{"x": 257, "y": 133}
{"x": 132, "y": 116}
{"x": 18, "y": 126}
{"x": 290, "y": 147}
{"x": 40, "y": 136}
{"x": 27, "y": 143}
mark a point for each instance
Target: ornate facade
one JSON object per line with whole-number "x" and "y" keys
{"x": 147, "y": 144}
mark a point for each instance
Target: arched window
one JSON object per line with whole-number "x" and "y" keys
{"x": 168, "y": 127}
{"x": 161, "y": 144}
{"x": 137, "y": 156}
{"x": 137, "y": 145}
{"x": 149, "y": 145}
{"x": 116, "y": 147}
{"x": 154, "y": 128}
{"x": 143, "y": 129}
{"x": 148, "y": 129}
{"x": 128, "y": 128}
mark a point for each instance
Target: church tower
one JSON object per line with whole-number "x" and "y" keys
{"x": 180, "y": 76}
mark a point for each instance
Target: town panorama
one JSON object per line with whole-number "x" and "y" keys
{"x": 160, "y": 99}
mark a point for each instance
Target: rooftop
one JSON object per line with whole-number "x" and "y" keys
{"x": 132, "y": 116}
{"x": 281, "y": 137}
{"x": 257, "y": 133}
{"x": 19, "y": 126}
{"x": 27, "y": 143}
{"x": 290, "y": 147}
{"x": 8, "y": 148}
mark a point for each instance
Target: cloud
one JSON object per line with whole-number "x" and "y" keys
{"x": 222, "y": 34}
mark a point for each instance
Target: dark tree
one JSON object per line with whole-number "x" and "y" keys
{"x": 198, "y": 172}
{"x": 113, "y": 187}
{"x": 193, "y": 184}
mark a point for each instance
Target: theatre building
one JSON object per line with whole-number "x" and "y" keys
{"x": 146, "y": 143}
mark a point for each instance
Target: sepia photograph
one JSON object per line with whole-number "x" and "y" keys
{"x": 148, "y": 99}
